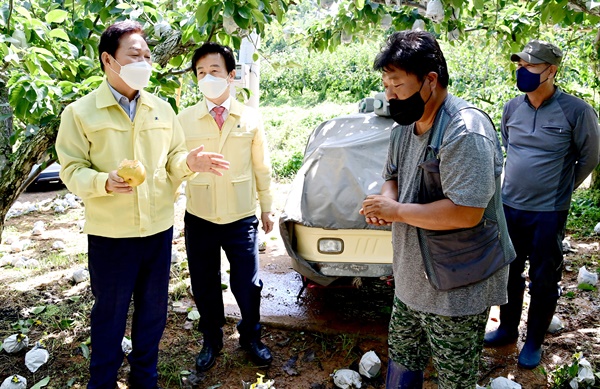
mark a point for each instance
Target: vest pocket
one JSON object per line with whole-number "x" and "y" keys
{"x": 201, "y": 201}
{"x": 242, "y": 198}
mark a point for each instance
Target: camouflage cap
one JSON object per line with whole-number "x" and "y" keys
{"x": 539, "y": 52}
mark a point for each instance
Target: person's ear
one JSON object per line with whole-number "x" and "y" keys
{"x": 432, "y": 77}
{"x": 106, "y": 59}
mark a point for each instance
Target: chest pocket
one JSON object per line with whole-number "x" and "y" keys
{"x": 210, "y": 142}
{"x": 240, "y": 145}
{"x": 554, "y": 138}
{"x": 106, "y": 142}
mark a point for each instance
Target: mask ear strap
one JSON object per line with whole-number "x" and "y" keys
{"x": 547, "y": 78}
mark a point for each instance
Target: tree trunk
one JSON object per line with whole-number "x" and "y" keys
{"x": 15, "y": 167}
{"x": 595, "y": 183}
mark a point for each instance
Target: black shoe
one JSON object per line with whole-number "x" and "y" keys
{"x": 207, "y": 357}
{"x": 259, "y": 353}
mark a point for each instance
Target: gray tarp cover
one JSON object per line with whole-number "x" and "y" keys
{"x": 343, "y": 161}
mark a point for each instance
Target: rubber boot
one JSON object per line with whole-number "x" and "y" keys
{"x": 399, "y": 377}
{"x": 250, "y": 341}
{"x": 538, "y": 321}
{"x": 510, "y": 317}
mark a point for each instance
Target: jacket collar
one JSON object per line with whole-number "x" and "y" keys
{"x": 235, "y": 109}
{"x": 105, "y": 98}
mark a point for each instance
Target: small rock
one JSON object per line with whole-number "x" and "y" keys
{"x": 80, "y": 275}
{"x": 59, "y": 209}
{"x": 6, "y": 260}
{"x": 58, "y": 245}
{"x": 19, "y": 246}
{"x": 9, "y": 240}
{"x": 22, "y": 262}
{"x": 597, "y": 228}
{"x": 81, "y": 224}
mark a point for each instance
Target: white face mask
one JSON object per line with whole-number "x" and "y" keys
{"x": 213, "y": 87}
{"x": 136, "y": 74}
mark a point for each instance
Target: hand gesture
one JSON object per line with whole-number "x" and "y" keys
{"x": 199, "y": 161}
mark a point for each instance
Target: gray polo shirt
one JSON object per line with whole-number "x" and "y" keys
{"x": 549, "y": 151}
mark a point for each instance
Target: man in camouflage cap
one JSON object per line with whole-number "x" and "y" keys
{"x": 551, "y": 142}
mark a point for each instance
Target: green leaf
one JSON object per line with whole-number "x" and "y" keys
{"x": 41, "y": 384}
{"x": 23, "y": 12}
{"x": 38, "y": 310}
{"x": 202, "y": 13}
{"x": 229, "y": 9}
{"x": 85, "y": 350}
{"x": 193, "y": 315}
{"x": 65, "y": 324}
{"x": 56, "y": 16}
{"x": 59, "y": 33}
{"x": 224, "y": 286}
{"x": 586, "y": 287}
{"x": 244, "y": 12}
{"x": 241, "y": 21}
{"x": 360, "y": 4}
{"x": 255, "y": 57}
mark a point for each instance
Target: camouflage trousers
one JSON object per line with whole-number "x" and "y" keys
{"x": 453, "y": 343}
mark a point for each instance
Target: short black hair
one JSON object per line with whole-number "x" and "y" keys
{"x": 415, "y": 52}
{"x": 214, "y": 48}
{"x": 111, "y": 37}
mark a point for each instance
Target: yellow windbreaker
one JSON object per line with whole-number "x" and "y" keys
{"x": 95, "y": 135}
{"x": 242, "y": 142}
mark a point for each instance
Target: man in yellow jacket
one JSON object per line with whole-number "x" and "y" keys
{"x": 130, "y": 230}
{"x": 221, "y": 213}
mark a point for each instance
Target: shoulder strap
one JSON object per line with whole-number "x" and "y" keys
{"x": 436, "y": 137}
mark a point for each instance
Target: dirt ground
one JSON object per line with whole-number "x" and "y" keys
{"x": 302, "y": 358}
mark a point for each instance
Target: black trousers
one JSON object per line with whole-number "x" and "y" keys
{"x": 537, "y": 237}
{"x": 122, "y": 268}
{"x": 239, "y": 240}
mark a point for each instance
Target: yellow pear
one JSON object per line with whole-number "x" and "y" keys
{"x": 132, "y": 171}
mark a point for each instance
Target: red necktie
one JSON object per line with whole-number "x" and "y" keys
{"x": 218, "y": 110}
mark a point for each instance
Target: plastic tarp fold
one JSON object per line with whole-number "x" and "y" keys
{"x": 343, "y": 162}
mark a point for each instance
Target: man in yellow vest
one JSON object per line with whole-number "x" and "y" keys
{"x": 221, "y": 213}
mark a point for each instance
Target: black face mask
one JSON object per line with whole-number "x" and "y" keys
{"x": 408, "y": 111}
{"x": 528, "y": 81}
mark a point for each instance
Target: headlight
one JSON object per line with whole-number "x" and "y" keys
{"x": 331, "y": 246}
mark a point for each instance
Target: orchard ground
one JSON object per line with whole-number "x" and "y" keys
{"x": 311, "y": 336}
